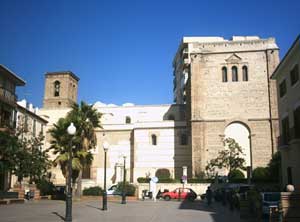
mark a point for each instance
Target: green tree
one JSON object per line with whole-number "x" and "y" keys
{"x": 86, "y": 119}
{"x": 229, "y": 158}
{"x": 8, "y": 150}
{"x": 40, "y": 162}
{"x": 274, "y": 166}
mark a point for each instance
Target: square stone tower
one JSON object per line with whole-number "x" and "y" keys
{"x": 228, "y": 92}
{"x": 60, "y": 90}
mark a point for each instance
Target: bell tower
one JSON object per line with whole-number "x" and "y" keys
{"x": 60, "y": 90}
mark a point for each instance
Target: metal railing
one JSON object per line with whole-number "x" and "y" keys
{"x": 285, "y": 140}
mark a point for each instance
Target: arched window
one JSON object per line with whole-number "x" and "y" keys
{"x": 128, "y": 120}
{"x": 56, "y": 88}
{"x": 183, "y": 139}
{"x": 234, "y": 74}
{"x": 171, "y": 117}
{"x": 245, "y": 73}
{"x": 224, "y": 74}
{"x": 154, "y": 139}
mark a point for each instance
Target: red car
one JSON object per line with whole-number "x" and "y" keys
{"x": 183, "y": 193}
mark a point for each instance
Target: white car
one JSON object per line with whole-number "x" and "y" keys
{"x": 113, "y": 190}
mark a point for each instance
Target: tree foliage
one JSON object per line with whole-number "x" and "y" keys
{"x": 229, "y": 158}
{"x": 22, "y": 154}
{"x": 86, "y": 119}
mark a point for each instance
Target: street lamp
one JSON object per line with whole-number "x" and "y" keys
{"x": 124, "y": 180}
{"x": 104, "y": 199}
{"x": 71, "y": 131}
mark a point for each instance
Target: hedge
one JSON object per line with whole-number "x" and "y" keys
{"x": 92, "y": 191}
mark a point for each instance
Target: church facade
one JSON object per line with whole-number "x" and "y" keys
{"x": 222, "y": 88}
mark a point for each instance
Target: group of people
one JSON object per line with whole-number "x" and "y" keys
{"x": 225, "y": 197}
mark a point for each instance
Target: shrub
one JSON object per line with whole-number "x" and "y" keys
{"x": 274, "y": 167}
{"x": 46, "y": 187}
{"x": 168, "y": 180}
{"x": 143, "y": 179}
{"x": 163, "y": 174}
{"x": 236, "y": 175}
{"x": 129, "y": 188}
{"x": 199, "y": 180}
{"x": 261, "y": 174}
{"x": 92, "y": 191}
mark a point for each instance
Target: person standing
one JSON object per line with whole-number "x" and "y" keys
{"x": 208, "y": 196}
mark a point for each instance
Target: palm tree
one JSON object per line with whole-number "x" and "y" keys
{"x": 86, "y": 119}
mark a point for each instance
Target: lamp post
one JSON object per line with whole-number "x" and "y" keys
{"x": 124, "y": 180}
{"x": 104, "y": 199}
{"x": 71, "y": 131}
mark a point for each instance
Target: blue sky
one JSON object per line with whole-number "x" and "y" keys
{"x": 123, "y": 50}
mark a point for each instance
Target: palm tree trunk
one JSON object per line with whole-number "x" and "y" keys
{"x": 79, "y": 185}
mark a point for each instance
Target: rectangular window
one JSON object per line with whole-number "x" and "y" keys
{"x": 285, "y": 130}
{"x": 86, "y": 172}
{"x": 282, "y": 88}
{"x": 297, "y": 123}
{"x": 289, "y": 175}
{"x": 294, "y": 74}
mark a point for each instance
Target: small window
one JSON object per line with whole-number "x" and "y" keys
{"x": 285, "y": 130}
{"x": 294, "y": 74}
{"x": 282, "y": 88}
{"x": 183, "y": 139}
{"x": 171, "y": 117}
{"x": 297, "y": 122}
{"x": 154, "y": 139}
{"x": 128, "y": 120}
{"x": 289, "y": 175}
{"x": 86, "y": 172}
{"x": 56, "y": 88}
{"x": 245, "y": 73}
{"x": 224, "y": 74}
{"x": 234, "y": 74}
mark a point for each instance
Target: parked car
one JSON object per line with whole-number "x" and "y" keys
{"x": 113, "y": 190}
{"x": 59, "y": 193}
{"x": 224, "y": 190}
{"x": 269, "y": 200}
{"x": 182, "y": 193}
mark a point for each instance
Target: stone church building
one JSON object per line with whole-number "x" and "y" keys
{"x": 222, "y": 88}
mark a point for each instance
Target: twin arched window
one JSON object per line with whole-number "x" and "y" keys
{"x": 224, "y": 74}
{"x": 56, "y": 88}
{"x": 245, "y": 73}
{"x": 234, "y": 73}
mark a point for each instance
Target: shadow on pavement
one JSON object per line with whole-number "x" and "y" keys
{"x": 57, "y": 214}
{"x": 91, "y": 206}
{"x": 218, "y": 212}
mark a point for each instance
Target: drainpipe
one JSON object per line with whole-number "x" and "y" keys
{"x": 269, "y": 98}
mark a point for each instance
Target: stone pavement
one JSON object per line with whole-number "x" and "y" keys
{"x": 145, "y": 211}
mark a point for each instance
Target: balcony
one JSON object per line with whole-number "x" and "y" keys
{"x": 285, "y": 141}
{"x": 7, "y": 96}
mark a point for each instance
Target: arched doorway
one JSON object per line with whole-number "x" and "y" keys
{"x": 241, "y": 134}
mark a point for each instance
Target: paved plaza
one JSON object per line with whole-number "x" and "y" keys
{"x": 145, "y": 211}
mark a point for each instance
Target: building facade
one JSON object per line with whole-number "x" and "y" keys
{"x": 227, "y": 90}
{"x": 222, "y": 88}
{"x": 287, "y": 76}
{"x": 8, "y": 111}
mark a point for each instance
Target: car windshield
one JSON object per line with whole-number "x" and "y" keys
{"x": 271, "y": 197}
